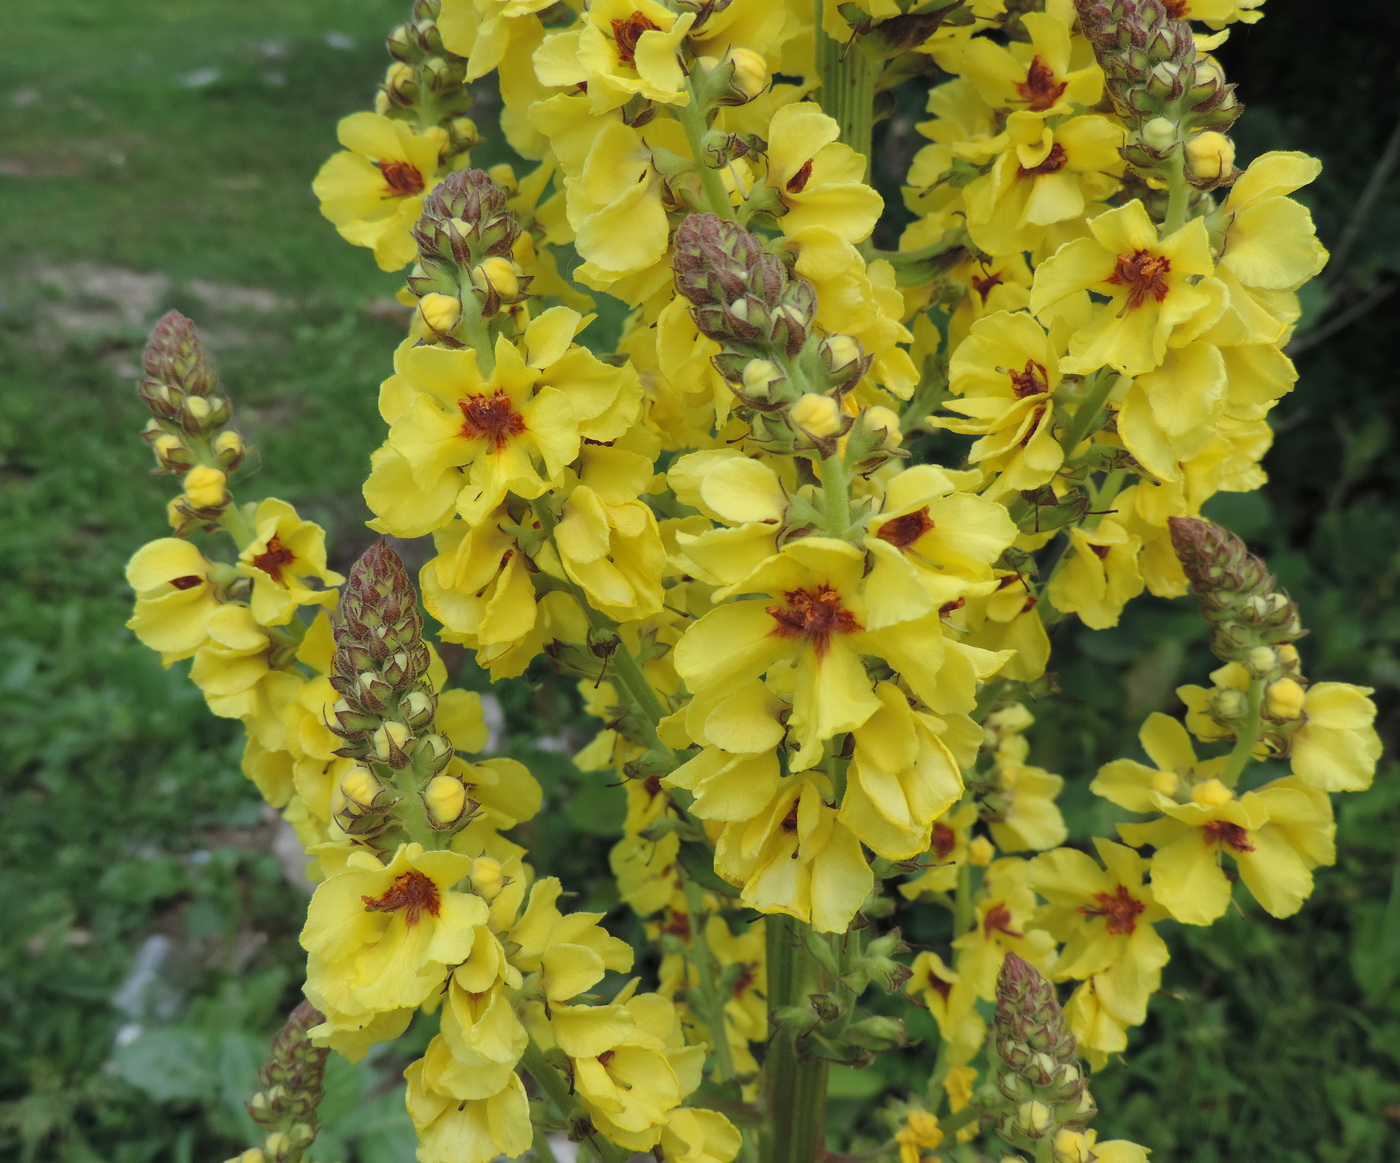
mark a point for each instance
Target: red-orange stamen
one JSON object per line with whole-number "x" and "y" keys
{"x": 1144, "y": 274}
{"x": 1031, "y": 382}
{"x": 400, "y": 178}
{"x": 798, "y": 182}
{"x": 815, "y": 615}
{"x": 186, "y": 583}
{"x": 1231, "y": 835}
{"x": 627, "y": 32}
{"x": 902, "y": 532}
{"x": 1039, "y": 90}
{"x": 998, "y": 919}
{"x": 1054, "y": 162}
{"x": 273, "y": 558}
{"x": 1120, "y": 910}
{"x": 491, "y": 418}
{"x": 412, "y": 892}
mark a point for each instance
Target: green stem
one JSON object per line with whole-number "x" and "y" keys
{"x": 704, "y": 961}
{"x": 962, "y": 901}
{"x": 848, "y": 75}
{"x": 1178, "y": 194}
{"x": 1243, "y": 751}
{"x": 1089, "y": 415}
{"x": 692, "y": 119}
{"x": 794, "y": 1087}
{"x": 836, "y": 501}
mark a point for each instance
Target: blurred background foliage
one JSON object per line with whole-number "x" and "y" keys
{"x": 158, "y": 154}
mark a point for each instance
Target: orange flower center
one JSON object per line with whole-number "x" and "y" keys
{"x": 413, "y": 893}
{"x": 1031, "y": 382}
{"x": 1231, "y": 835}
{"x": 1144, "y": 274}
{"x": 1039, "y": 90}
{"x": 1054, "y": 162}
{"x": 747, "y": 976}
{"x": 1177, "y": 9}
{"x": 273, "y": 558}
{"x": 186, "y": 583}
{"x": 400, "y": 178}
{"x": 944, "y": 841}
{"x": 984, "y": 286}
{"x": 1120, "y": 910}
{"x": 998, "y": 920}
{"x": 605, "y": 1057}
{"x": 939, "y": 986}
{"x": 491, "y": 418}
{"x": 902, "y": 532}
{"x": 815, "y": 615}
{"x": 628, "y": 32}
{"x": 798, "y": 182}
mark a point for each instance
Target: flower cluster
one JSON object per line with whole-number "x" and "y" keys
{"x": 811, "y": 647}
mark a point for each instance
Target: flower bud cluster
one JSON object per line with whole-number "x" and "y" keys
{"x": 289, "y": 1091}
{"x": 1237, "y": 594}
{"x": 1175, "y": 103}
{"x": 1038, "y": 1073}
{"x": 745, "y": 298}
{"x": 387, "y": 706}
{"x": 465, "y": 268}
{"x": 427, "y": 78}
{"x": 188, "y": 430}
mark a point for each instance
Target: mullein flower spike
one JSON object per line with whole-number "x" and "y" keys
{"x": 810, "y": 649}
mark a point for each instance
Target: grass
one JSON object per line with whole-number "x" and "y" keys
{"x": 159, "y": 154}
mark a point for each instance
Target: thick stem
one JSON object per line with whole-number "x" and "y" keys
{"x": 848, "y": 74}
{"x": 1178, "y": 194}
{"x": 836, "y": 500}
{"x": 794, "y": 1088}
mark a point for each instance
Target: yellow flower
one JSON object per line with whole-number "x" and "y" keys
{"x": 1337, "y": 746}
{"x": 1045, "y": 77}
{"x": 1043, "y": 175}
{"x": 175, "y": 597}
{"x": 1275, "y": 835}
{"x": 1152, "y": 286}
{"x": 1099, "y": 574}
{"x": 244, "y": 675}
{"x": 695, "y": 1135}
{"x": 607, "y": 537}
{"x": 952, "y": 1001}
{"x": 920, "y": 1132}
{"x": 1005, "y": 906}
{"x": 456, "y": 1129}
{"x": 382, "y": 935}
{"x": 631, "y": 1067}
{"x": 1104, "y": 916}
{"x": 1004, "y": 375}
{"x": 818, "y": 180}
{"x": 373, "y": 191}
{"x": 1136, "y": 786}
{"x": 284, "y": 553}
{"x": 570, "y": 953}
{"x": 622, "y": 49}
{"x": 794, "y": 856}
{"x": 901, "y": 778}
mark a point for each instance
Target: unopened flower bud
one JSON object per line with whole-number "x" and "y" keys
{"x": 819, "y": 415}
{"x": 446, "y": 798}
{"x": 1072, "y": 1147}
{"x": 1228, "y": 705}
{"x": 1033, "y": 1118}
{"x": 499, "y": 275}
{"x": 1283, "y": 699}
{"x": 761, "y": 376}
{"x": 230, "y": 449}
{"x": 206, "y": 487}
{"x": 388, "y": 744}
{"x": 277, "y": 1144}
{"x": 750, "y": 72}
{"x": 1260, "y": 660}
{"x": 487, "y": 877}
{"x": 884, "y": 419}
{"x": 172, "y": 453}
{"x": 980, "y": 852}
{"x": 360, "y": 787}
{"x": 1210, "y": 156}
{"x": 417, "y": 709}
{"x": 440, "y": 312}
{"x": 1160, "y": 133}
{"x": 1211, "y": 794}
